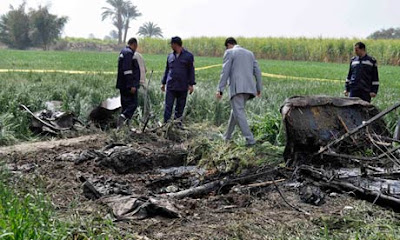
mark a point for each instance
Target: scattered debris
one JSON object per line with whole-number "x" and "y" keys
{"x": 96, "y": 188}
{"x": 26, "y": 168}
{"x": 145, "y": 175}
{"x": 311, "y": 122}
{"x": 312, "y": 194}
{"x": 167, "y": 180}
{"x": 288, "y": 203}
{"x": 125, "y": 159}
{"x": 342, "y": 144}
{"x": 140, "y": 207}
{"x": 118, "y": 196}
{"x": 90, "y": 191}
{"x": 79, "y": 158}
{"x": 103, "y": 114}
{"x": 378, "y": 190}
{"x": 381, "y": 150}
{"x": 198, "y": 191}
{"x": 175, "y": 179}
{"x": 52, "y": 121}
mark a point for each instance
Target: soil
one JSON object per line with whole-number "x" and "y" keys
{"x": 235, "y": 215}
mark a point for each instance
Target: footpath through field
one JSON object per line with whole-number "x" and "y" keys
{"x": 264, "y": 74}
{"x": 29, "y": 147}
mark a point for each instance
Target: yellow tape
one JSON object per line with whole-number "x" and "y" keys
{"x": 300, "y": 78}
{"x": 208, "y": 67}
{"x": 52, "y": 71}
{"x": 81, "y": 72}
{"x": 281, "y": 76}
{"x": 197, "y": 69}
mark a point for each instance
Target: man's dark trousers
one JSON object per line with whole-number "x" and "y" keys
{"x": 171, "y": 96}
{"x": 361, "y": 94}
{"x": 129, "y": 103}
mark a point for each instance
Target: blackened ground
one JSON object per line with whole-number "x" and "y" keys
{"x": 259, "y": 214}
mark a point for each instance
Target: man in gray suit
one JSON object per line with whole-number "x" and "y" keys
{"x": 238, "y": 71}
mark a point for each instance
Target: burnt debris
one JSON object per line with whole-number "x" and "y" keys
{"x": 343, "y": 145}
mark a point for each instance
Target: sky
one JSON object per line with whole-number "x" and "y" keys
{"x": 248, "y": 18}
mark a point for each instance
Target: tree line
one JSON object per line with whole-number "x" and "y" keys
{"x": 122, "y": 13}
{"x": 390, "y": 33}
{"x": 36, "y": 28}
{"x": 21, "y": 29}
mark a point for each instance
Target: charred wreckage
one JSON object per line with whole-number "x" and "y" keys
{"x": 343, "y": 144}
{"x": 332, "y": 144}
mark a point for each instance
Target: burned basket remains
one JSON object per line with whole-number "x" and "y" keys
{"x": 343, "y": 144}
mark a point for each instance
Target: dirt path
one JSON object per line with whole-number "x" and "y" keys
{"x": 31, "y": 147}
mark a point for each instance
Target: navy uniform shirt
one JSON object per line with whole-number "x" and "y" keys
{"x": 128, "y": 70}
{"x": 179, "y": 71}
{"x": 363, "y": 75}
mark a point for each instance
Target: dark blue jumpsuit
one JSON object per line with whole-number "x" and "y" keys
{"x": 363, "y": 77}
{"x": 178, "y": 76}
{"x": 128, "y": 77}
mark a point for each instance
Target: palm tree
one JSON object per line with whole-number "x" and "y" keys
{"x": 115, "y": 13}
{"x": 130, "y": 13}
{"x": 149, "y": 29}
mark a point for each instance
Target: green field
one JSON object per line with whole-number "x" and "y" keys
{"x": 386, "y": 51}
{"x": 298, "y": 49}
{"x": 81, "y": 92}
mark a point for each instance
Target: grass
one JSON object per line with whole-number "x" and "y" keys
{"x": 363, "y": 221}
{"x": 27, "y": 213}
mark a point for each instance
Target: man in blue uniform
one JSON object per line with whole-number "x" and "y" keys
{"x": 178, "y": 79}
{"x": 128, "y": 81}
{"x": 362, "y": 80}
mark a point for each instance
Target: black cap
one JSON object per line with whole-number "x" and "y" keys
{"x": 176, "y": 40}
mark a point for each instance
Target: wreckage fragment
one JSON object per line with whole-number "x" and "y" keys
{"x": 140, "y": 207}
{"x": 377, "y": 150}
{"x": 311, "y": 122}
{"x": 312, "y": 194}
{"x": 125, "y": 159}
{"x": 95, "y": 188}
{"x": 52, "y": 120}
{"x": 124, "y": 204}
{"x": 381, "y": 191}
{"x": 103, "y": 114}
{"x": 349, "y": 142}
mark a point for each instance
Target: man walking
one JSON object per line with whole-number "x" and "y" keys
{"x": 238, "y": 70}
{"x": 178, "y": 79}
{"x": 362, "y": 80}
{"x": 128, "y": 81}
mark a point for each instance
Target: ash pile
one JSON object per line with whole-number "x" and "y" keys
{"x": 342, "y": 145}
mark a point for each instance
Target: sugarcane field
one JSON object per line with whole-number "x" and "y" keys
{"x": 179, "y": 130}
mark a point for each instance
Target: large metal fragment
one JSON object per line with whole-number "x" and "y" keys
{"x": 103, "y": 114}
{"x": 342, "y": 144}
{"x": 51, "y": 120}
{"x": 312, "y": 122}
{"x": 381, "y": 188}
